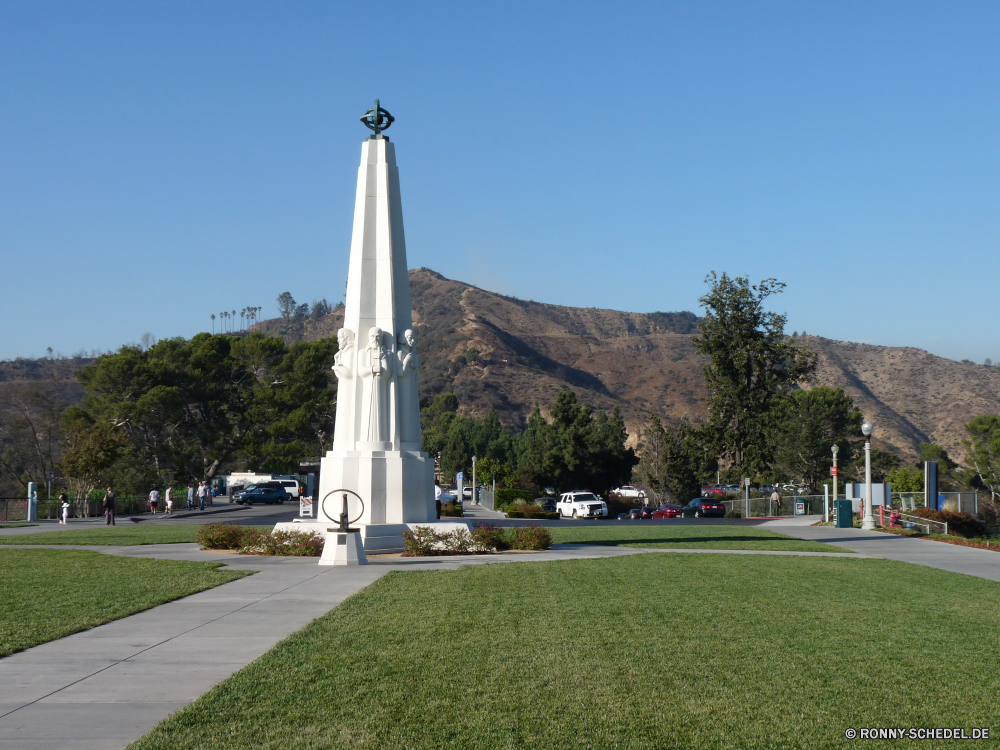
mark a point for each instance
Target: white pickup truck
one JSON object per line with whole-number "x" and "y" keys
{"x": 581, "y": 505}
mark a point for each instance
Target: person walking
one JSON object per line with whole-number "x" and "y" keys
{"x": 154, "y": 500}
{"x": 202, "y": 491}
{"x": 64, "y": 505}
{"x": 190, "y": 496}
{"x": 110, "y": 508}
{"x": 776, "y": 499}
{"x": 170, "y": 500}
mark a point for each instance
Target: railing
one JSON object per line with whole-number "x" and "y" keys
{"x": 16, "y": 508}
{"x": 764, "y": 507}
{"x": 941, "y": 527}
{"x": 486, "y": 499}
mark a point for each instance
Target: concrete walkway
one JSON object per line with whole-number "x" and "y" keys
{"x": 951, "y": 557}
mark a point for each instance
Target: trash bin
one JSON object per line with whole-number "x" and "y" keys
{"x": 800, "y": 508}
{"x": 845, "y": 515}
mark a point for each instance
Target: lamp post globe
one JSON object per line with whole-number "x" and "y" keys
{"x": 868, "y": 521}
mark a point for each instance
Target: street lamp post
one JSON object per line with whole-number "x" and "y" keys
{"x": 868, "y": 522}
{"x": 833, "y": 473}
{"x": 475, "y": 488}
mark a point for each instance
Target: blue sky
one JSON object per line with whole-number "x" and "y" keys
{"x": 163, "y": 161}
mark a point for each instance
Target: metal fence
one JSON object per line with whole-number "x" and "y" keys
{"x": 16, "y": 508}
{"x": 486, "y": 499}
{"x": 764, "y": 507}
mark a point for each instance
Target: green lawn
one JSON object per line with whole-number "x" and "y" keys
{"x": 707, "y": 536}
{"x": 49, "y": 593}
{"x": 113, "y": 535}
{"x": 15, "y": 525}
{"x": 644, "y": 651}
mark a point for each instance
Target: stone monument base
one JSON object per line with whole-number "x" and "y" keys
{"x": 397, "y": 486}
{"x": 343, "y": 548}
{"x": 376, "y": 538}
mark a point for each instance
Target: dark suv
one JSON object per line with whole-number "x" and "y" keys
{"x": 264, "y": 492}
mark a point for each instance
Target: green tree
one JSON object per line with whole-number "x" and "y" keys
{"x": 190, "y": 407}
{"x": 752, "y": 365}
{"x": 947, "y": 470}
{"x": 906, "y": 479}
{"x": 91, "y": 450}
{"x": 287, "y": 306}
{"x": 983, "y": 451}
{"x": 669, "y": 464}
{"x": 808, "y": 424}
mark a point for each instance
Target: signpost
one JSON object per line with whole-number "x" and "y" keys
{"x": 306, "y": 507}
{"x": 746, "y": 484}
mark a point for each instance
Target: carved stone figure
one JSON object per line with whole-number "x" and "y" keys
{"x": 344, "y": 357}
{"x": 375, "y": 369}
{"x": 409, "y": 402}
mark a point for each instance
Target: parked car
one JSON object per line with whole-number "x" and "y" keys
{"x": 646, "y": 511}
{"x": 732, "y": 490}
{"x": 635, "y": 514}
{"x": 765, "y": 489}
{"x": 266, "y": 492}
{"x": 581, "y": 504}
{"x": 712, "y": 490}
{"x": 668, "y": 511}
{"x": 624, "y": 516}
{"x": 548, "y": 504}
{"x": 704, "y": 506}
{"x": 629, "y": 490}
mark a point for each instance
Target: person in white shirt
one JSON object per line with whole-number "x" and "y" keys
{"x": 170, "y": 500}
{"x": 154, "y": 500}
{"x": 202, "y": 492}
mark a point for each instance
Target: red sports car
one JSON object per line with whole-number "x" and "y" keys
{"x": 668, "y": 511}
{"x": 712, "y": 490}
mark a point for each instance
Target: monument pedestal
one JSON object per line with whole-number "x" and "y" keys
{"x": 343, "y": 548}
{"x": 397, "y": 486}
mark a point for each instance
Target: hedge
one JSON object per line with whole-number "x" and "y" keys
{"x": 506, "y": 496}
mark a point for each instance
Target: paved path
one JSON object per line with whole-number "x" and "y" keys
{"x": 971, "y": 561}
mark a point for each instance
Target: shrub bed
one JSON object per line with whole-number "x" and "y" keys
{"x": 506, "y": 496}
{"x": 959, "y": 524}
{"x": 250, "y": 541}
{"x": 423, "y": 541}
{"x": 452, "y": 510}
{"x": 527, "y": 510}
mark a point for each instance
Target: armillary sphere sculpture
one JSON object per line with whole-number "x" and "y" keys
{"x": 377, "y": 119}
{"x": 345, "y": 525}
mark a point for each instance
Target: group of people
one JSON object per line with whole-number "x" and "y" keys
{"x": 200, "y": 492}
{"x": 110, "y": 502}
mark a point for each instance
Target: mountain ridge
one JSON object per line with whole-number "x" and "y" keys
{"x": 645, "y": 363}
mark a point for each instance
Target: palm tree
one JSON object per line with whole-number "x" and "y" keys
{"x": 243, "y": 313}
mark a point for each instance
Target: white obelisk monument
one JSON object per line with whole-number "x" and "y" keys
{"x": 376, "y": 446}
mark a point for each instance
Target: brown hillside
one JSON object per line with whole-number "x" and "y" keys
{"x": 644, "y": 363}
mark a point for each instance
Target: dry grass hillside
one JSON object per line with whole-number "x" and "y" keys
{"x": 644, "y": 363}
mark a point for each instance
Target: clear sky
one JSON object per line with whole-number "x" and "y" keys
{"x": 161, "y": 161}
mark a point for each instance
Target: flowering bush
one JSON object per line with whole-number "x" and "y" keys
{"x": 459, "y": 542}
{"x": 533, "y": 537}
{"x": 286, "y": 543}
{"x": 250, "y": 541}
{"x": 489, "y": 538}
{"x": 452, "y": 510}
{"x": 226, "y": 536}
{"x": 420, "y": 542}
{"x": 959, "y": 524}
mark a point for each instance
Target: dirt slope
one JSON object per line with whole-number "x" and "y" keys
{"x": 644, "y": 363}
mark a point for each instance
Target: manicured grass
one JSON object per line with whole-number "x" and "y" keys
{"x": 707, "y": 536}
{"x": 114, "y": 535}
{"x": 644, "y": 651}
{"x": 49, "y": 593}
{"x": 15, "y": 525}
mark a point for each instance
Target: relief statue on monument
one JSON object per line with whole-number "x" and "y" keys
{"x": 344, "y": 357}
{"x": 376, "y": 369}
{"x": 407, "y": 378}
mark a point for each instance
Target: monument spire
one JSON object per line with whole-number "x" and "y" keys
{"x": 376, "y": 447}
